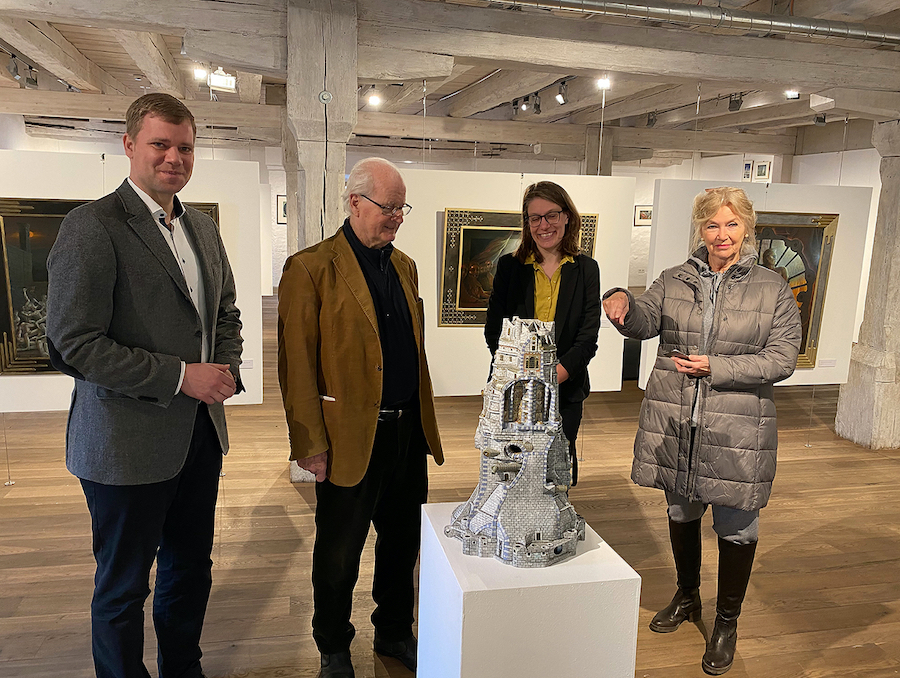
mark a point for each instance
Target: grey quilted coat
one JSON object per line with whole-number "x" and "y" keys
{"x": 753, "y": 343}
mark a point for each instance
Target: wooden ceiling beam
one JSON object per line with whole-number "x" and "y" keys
{"x": 249, "y": 87}
{"x": 253, "y": 19}
{"x": 47, "y": 47}
{"x": 712, "y": 142}
{"x": 498, "y": 89}
{"x": 567, "y": 45}
{"x": 657, "y": 98}
{"x": 412, "y": 92}
{"x": 383, "y": 64}
{"x": 152, "y": 57}
{"x": 110, "y": 107}
{"x": 761, "y": 114}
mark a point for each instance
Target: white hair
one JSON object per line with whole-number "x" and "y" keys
{"x": 362, "y": 178}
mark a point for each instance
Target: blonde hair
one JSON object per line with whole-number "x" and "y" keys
{"x": 709, "y": 202}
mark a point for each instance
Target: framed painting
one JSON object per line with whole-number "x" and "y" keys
{"x": 762, "y": 171}
{"x": 281, "y": 214}
{"x": 474, "y": 240}
{"x": 748, "y": 171}
{"x": 643, "y": 215}
{"x": 28, "y": 229}
{"x": 799, "y": 247}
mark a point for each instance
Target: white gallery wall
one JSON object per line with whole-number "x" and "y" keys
{"x": 234, "y": 185}
{"x": 670, "y": 241}
{"x": 458, "y": 356}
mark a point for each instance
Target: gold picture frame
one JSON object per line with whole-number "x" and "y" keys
{"x": 799, "y": 247}
{"x": 474, "y": 240}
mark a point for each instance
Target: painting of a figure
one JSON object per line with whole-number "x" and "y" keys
{"x": 481, "y": 248}
{"x": 799, "y": 247}
{"x": 474, "y": 240}
{"x": 29, "y": 228}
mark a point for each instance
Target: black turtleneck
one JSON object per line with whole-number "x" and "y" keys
{"x": 398, "y": 344}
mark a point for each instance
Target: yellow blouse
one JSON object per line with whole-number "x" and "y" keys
{"x": 546, "y": 290}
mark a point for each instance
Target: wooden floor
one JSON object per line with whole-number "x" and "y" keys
{"x": 824, "y": 599}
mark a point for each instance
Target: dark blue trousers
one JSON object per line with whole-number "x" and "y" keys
{"x": 173, "y": 523}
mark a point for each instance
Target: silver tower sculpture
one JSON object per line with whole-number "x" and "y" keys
{"x": 520, "y": 511}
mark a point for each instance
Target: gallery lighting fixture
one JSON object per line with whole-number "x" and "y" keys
{"x": 200, "y": 72}
{"x": 515, "y": 106}
{"x": 651, "y": 118}
{"x": 525, "y": 103}
{"x": 562, "y": 97}
{"x": 603, "y": 83}
{"x": 536, "y": 99}
{"x": 373, "y": 99}
{"x": 819, "y": 120}
{"x": 31, "y": 79}
{"x": 791, "y": 94}
{"x": 13, "y": 67}
{"x": 221, "y": 81}
{"x": 735, "y": 101}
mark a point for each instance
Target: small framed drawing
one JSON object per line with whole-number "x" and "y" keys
{"x": 643, "y": 215}
{"x": 762, "y": 171}
{"x": 748, "y": 171}
{"x": 281, "y": 215}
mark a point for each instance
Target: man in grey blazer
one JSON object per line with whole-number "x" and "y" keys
{"x": 141, "y": 310}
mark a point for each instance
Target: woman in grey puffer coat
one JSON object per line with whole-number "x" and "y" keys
{"x": 707, "y": 432}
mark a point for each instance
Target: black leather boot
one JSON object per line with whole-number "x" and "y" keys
{"x": 735, "y": 563}
{"x": 685, "y": 538}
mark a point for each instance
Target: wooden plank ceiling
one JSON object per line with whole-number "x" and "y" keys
{"x": 675, "y": 89}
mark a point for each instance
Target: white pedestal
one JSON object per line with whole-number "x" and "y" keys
{"x": 479, "y": 617}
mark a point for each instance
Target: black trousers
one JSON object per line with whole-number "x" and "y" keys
{"x": 390, "y": 496}
{"x": 173, "y": 523}
{"x": 571, "y": 414}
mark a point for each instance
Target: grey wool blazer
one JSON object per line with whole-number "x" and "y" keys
{"x": 120, "y": 318}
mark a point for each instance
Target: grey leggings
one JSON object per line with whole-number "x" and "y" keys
{"x": 731, "y": 524}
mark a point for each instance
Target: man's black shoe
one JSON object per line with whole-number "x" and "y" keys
{"x": 403, "y": 650}
{"x": 336, "y": 666}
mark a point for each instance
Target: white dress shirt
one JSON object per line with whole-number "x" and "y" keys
{"x": 186, "y": 258}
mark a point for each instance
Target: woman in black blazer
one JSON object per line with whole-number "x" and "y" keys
{"x": 546, "y": 278}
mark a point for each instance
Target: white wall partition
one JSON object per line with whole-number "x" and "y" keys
{"x": 669, "y": 245}
{"x": 234, "y": 185}
{"x": 458, "y": 356}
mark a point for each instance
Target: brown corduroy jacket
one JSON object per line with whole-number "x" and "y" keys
{"x": 329, "y": 357}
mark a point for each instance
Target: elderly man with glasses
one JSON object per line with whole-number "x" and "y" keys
{"x": 360, "y": 411}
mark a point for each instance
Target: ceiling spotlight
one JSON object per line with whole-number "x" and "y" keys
{"x": 536, "y": 98}
{"x": 819, "y": 120}
{"x": 373, "y": 99}
{"x": 31, "y": 79}
{"x": 515, "y": 106}
{"x": 603, "y": 83}
{"x": 200, "y": 72}
{"x": 525, "y": 103}
{"x": 651, "y": 118}
{"x": 791, "y": 94}
{"x": 562, "y": 96}
{"x": 183, "y": 50}
{"x": 13, "y": 67}
{"x": 221, "y": 81}
{"x": 735, "y": 101}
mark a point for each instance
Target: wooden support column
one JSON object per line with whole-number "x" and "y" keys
{"x": 869, "y": 404}
{"x": 318, "y": 122}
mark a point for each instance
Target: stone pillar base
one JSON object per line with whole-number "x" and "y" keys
{"x": 867, "y": 412}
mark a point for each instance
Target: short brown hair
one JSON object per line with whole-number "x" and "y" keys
{"x": 556, "y": 194}
{"x": 709, "y": 202}
{"x": 161, "y": 105}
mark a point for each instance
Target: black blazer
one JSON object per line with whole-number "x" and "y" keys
{"x": 577, "y": 315}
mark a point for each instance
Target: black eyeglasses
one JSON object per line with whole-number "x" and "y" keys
{"x": 552, "y": 218}
{"x": 389, "y": 211}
